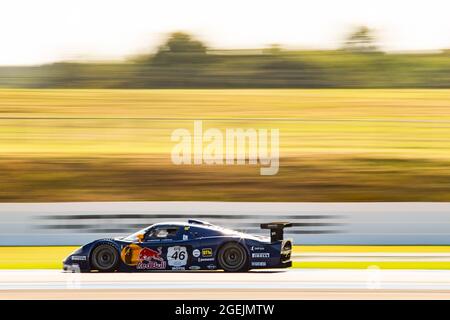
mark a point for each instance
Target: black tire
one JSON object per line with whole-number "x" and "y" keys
{"x": 232, "y": 257}
{"x": 105, "y": 258}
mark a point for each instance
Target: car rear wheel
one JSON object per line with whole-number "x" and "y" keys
{"x": 105, "y": 258}
{"x": 232, "y": 257}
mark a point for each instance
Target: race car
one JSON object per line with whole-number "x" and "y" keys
{"x": 195, "y": 245}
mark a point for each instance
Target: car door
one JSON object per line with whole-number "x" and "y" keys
{"x": 165, "y": 248}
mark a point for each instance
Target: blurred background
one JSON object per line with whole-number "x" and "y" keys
{"x": 91, "y": 91}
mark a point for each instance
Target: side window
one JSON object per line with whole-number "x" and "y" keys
{"x": 163, "y": 233}
{"x": 189, "y": 235}
{"x": 194, "y": 233}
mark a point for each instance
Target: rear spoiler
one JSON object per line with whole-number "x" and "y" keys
{"x": 276, "y": 229}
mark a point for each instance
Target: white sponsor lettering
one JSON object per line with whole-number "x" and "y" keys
{"x": 254, "y": 248}
{"x": 259, "y": 264}
{"x": 79, "y": 258}
{"x": 194, "y": 268}
{"x": 205, "y": 259}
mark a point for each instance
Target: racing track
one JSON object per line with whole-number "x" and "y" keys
{"x": 268, "y": 284}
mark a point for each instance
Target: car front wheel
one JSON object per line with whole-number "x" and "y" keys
{"x": 232, "y": 257}
{"x": 105, "y": 258}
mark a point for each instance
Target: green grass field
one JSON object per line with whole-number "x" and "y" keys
{"x": 51, "y": 257}
{"x": 336, "y": 145}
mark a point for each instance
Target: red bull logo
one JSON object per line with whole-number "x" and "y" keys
{"x": 150, "y": 259}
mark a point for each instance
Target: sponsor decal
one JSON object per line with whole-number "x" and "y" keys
{"x": 211, "y": 267}
{"x": 256, "y": 248}
{"x": 151, "y": 259}
{"x": 130, "y": 254}
{"x": 79, "y": 258}
{"x": 261, "y": 255}
{"x": 177, "y": 256}
{"x": 185, "y": 237}
{"x": 178, "y": 268}
{"x": 205, "y": 259}
{"x": 194, "y": 268}
{"x": 196, "y": 253}
{"x": 207, "y": 252}
{"x": 259, "y": 264}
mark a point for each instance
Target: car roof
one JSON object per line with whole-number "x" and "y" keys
{"x": 207, "y": 227}
{"x": 170, "y": 223}
{"x": 189, "y": 223}
{"x": 199, "y": 224}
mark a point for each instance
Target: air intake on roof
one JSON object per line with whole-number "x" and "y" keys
{"x": 195, "y": 221}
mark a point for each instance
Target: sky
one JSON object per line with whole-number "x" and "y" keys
{"x": 42, "y": 31}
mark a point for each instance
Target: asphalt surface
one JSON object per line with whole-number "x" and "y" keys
{"x": 379, "y": 256}
{"x": 269, "y": 284}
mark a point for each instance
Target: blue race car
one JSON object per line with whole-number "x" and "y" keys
{"x": 195, "y": 245}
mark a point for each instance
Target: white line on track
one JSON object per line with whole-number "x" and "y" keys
{"x": 371, "y": 257}
{"x": 335, "y": 279}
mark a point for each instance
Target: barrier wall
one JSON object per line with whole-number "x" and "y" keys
{"x": 386, "y": 223}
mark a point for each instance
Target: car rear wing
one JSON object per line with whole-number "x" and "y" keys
{"x": 276, "y": 229}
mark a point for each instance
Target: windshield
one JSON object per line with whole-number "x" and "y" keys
{"x": 133, "y": 237}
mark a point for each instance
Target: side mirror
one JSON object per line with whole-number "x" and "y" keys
{"x": 140, "y": 237}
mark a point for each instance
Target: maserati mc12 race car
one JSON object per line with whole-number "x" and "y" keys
{"x": 192, "y": 245}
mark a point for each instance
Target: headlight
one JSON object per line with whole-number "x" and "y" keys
{"x": 77, "y": 251}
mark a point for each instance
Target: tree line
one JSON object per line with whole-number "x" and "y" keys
{"x": 185, "y": 62}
